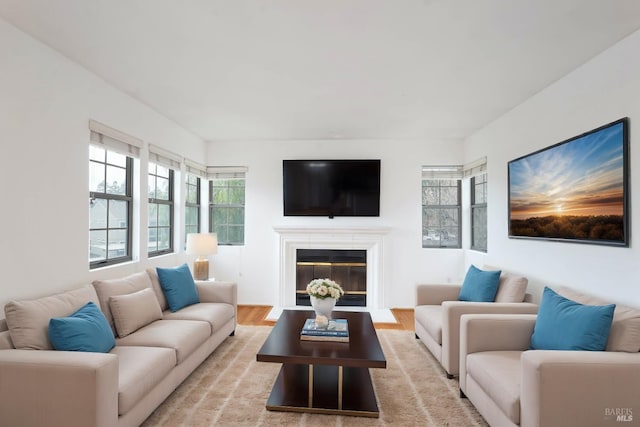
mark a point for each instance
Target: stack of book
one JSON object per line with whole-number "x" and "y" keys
{"x": 337, "y": 330}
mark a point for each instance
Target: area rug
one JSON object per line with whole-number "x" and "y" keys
{"x": 230, "y": 389}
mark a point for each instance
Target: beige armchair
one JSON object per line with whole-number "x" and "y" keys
{"x": 438, "y": 312}
{"x": 513, "y": 386}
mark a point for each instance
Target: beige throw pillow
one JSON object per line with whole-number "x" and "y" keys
{"x": 511, "y": 288}
{"x": 133, "y": 311}
{"x": 122, "y": 286}
{"x": 28, "y": 320}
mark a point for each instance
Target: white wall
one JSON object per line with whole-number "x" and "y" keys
{"x": 47, "y": 101}
{"x": 255, "y": 265}
{"x": 45, "y": 107}
{"x": 601, "y": 91}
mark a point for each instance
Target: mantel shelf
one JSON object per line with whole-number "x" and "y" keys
{"x": 332, "y": 230}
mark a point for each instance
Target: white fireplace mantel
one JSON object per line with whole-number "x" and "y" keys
{"x": 370, "y": 239}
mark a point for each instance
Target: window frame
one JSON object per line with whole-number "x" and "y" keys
{"x": 104, "y": 195}
{"x": 197, "y": 205}
{"x": 169, "y": 202}
{"x": 213, "y": 228}
{"x": 474, "y": 206}
{"x": 457, "y": 207}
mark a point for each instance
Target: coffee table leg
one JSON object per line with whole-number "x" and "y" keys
{"x": 310, "y": 386}
{"x": 339, "y": 388}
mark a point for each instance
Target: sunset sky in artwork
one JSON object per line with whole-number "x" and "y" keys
{"x": 582, "y": 177}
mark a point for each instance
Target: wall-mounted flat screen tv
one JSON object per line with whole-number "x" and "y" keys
{"x": 331, "y": 187}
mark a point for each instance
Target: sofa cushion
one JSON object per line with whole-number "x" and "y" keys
{"x": 28, "y": 320}
{"x": 498, "y": 373}
{"x": 178, "y": 286}
{"x": 183, "y": 336}
{"x": 155, "y": 282}
{"x": 84, "y": 330}
{"x": 563, "y": 324}
{"x": 511, "y": 288}
{"x": 479, "y": 285}
{"x": 140, "y": 369}
{"x": 135, "y": 310}
{"x": 216, "y": 314}
{"x": 122, "y": 286}
{"x": 430, "y": 317}
{"x": 625, "y": 327}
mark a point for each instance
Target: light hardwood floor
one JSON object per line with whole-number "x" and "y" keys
{"x": 255, "y": 315}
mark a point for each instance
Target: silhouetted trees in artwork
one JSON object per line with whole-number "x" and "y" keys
{"x": 601, "y": 227}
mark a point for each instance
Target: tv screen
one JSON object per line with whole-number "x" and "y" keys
{"x": 331, "y": 187}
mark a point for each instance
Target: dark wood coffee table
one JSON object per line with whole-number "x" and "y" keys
{"x": 323, "y": 377}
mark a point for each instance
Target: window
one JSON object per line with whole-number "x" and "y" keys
{"x": 441, "y": 206}
{"x": 479, "y": 212}
{"x": 226, "y": 207}
{"x": 192, "y": 208}
{"x": 111, "y": 175}
{"x": 160, "y": 210}
{"x": 110, "y": 207}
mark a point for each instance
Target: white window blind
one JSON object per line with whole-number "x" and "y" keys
{"x": 164, "y": 157}
{"x": 195, "y": 168}
{"x": 229, "y": 172}
{"x": 442, "y": 172}
{"x": 115, "y": 140}
{"x": 475, "y": 168}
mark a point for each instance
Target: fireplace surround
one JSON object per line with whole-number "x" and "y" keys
{"x": 369, "y": 239}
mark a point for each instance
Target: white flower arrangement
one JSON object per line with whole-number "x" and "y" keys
{"x": 324, "y": 288}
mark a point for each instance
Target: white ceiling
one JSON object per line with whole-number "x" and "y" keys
{"x": 318, "y": 69}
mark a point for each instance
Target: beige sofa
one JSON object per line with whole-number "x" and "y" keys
{"x": 438, "y": 312}
{"x": 513, "y": 386}
{"x": 43, "y": 387}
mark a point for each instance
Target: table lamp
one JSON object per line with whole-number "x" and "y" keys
{"x": 202, "y": 245}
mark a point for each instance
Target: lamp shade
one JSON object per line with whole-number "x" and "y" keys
{"x": 202, "y": 244}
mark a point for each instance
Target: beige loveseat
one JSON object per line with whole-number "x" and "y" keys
{"x": 438, "y": 312}
{"x": 40, "y": 386}
{"x": 513, "y": 386}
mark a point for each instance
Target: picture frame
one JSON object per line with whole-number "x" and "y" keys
{"x": 574, "y": 191}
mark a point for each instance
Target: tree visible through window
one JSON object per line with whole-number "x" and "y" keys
{"x": 160, "y": 240}
{"x": 226, "y": 209}
{"x": 110, "y": 207}
{"x": 441, "y": 207}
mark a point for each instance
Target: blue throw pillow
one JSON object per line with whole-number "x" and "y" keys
{"x": 178, "y": 286}
{"x": 479, "y": 285}
{"x": 85, "y": 330}
{"x": 563, "y": 324}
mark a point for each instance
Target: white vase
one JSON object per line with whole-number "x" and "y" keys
{"x": 323, "y": 306}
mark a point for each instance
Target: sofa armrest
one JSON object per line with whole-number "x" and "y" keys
{"x": 578, "y": 388}
{"x": 58, "y": 388}
{"x": 226, "y": 292}
{"x": 436, "y": 294}
{"x": 452, "y": 311}
{"x": 491, "y": 332}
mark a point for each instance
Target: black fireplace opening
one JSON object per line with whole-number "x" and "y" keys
{"x": 346, "y": 267}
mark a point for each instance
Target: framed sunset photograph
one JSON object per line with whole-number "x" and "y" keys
{"x": 574, "y": 191}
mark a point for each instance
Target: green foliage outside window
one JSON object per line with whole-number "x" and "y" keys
{"x": 226, "y": 210}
